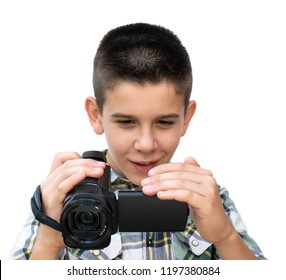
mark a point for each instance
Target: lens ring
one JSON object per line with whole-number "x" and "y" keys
{"x": 87, "y": 237}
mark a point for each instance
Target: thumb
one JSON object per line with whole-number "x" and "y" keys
{"x": 191, "y": 161}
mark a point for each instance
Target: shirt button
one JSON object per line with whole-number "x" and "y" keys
{"x": 195, "y": 243}
{"x": 150, "y": 243}
{"x": 96, "y": 252}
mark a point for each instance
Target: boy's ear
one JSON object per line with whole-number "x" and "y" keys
{"x": 191, "y": 109}
{"x": 94, "y": 115}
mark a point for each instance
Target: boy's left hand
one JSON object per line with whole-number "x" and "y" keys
{"x": 188, "y": 182}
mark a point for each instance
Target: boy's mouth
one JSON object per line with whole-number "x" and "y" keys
{"x": 143, "y": 166}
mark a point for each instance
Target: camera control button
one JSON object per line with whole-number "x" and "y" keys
{"x": 195, "y": 242}
{"x": 96, "y": 252}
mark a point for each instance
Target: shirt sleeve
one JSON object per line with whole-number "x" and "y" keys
{"x": 25, "y": 241}
{"x": 238, "y": 223}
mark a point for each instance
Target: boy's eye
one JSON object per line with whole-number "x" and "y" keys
{"x": 165, "y": 123}
{"x": 125, "y": 122}
{"x": 130, "y": 122}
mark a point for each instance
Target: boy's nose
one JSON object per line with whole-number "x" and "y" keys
{"x": 146, "y": 141}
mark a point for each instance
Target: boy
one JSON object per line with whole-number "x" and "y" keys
{"x": 142, "y": 83}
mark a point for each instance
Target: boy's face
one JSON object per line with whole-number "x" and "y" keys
{"x": 142, "y": 125}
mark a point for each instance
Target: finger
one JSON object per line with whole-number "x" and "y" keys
{"x": 64, "y": 187}
{"x": 187, "y": 175}
{"x": 70, "y": 167}
{"x": 174, "y": 185}
{"x": 53, "y": 182}
{"x": 68, "y": 184}
{"x": 174, "y": 180}
{"x": 178, "y": 166}
{"x": 70, "y": 158}
{"x": 192, "y": 199}
{"x": 191, "y": 160}
{"x": 61, "y": 158}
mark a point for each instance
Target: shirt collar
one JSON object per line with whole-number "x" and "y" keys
{"x": 122, "y": 184}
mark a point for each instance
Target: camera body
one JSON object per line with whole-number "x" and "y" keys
{"x": 91, "y": 213}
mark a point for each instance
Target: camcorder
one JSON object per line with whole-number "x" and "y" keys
{"x": 92, "y": 213}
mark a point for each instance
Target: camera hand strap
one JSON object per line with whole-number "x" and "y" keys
{"x": 37, "y": 209}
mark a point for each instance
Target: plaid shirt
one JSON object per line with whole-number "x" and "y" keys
{"x": 187, "y": 245}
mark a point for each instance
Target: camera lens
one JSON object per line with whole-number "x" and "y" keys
{"x": 87, "y": 220}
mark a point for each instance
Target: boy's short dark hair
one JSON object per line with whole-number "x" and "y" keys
{"x": 141, "y": 53}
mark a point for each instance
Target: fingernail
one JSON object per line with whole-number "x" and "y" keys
{"x": 151, "y": 172}
{"x": 145, "y": 181}
{"x": 147, "y": 188}
{"x": 97, "y": 169}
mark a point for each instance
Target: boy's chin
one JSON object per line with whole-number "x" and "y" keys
{"x": 136, "y": 180}
{"x": 133, "y": 176}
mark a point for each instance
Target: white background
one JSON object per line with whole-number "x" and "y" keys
{"x": 237, "y": 49}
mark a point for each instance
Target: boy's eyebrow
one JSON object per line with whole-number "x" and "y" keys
{"x": 121, "y": 115}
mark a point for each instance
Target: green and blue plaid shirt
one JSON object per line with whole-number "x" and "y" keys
{"x": 187, "y": 245}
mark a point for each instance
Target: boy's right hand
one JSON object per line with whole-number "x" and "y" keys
{"x": 67, "y": 170}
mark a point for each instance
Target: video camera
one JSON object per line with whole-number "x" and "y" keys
{"x": 92, "y": 213}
